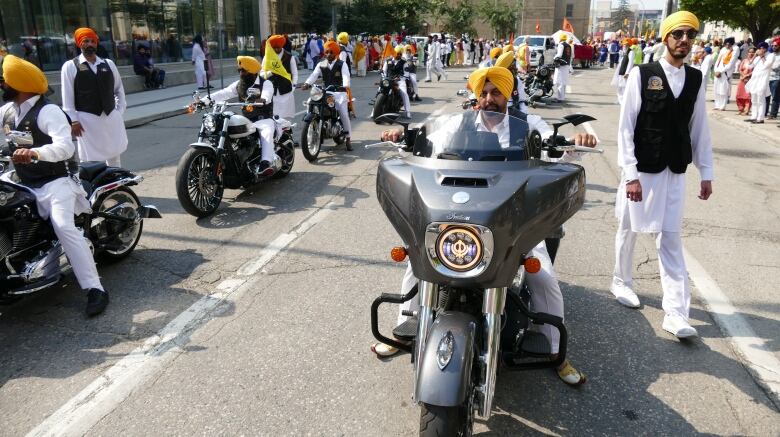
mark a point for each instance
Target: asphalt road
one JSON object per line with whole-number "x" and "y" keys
{"x": 255, "y": 321}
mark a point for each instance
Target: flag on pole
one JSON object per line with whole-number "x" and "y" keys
{"x": 388, "y": 52}
{"x": 538, "y": 27}
{"x": 567, "y": 26}
{"x": 272, "y": 63}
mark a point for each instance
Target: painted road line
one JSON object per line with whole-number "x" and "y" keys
{"x": 753, "y": 349}
{"x": 77, "y": 416}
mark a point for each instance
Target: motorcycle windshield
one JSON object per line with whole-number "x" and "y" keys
{"x": 473, "y": 136}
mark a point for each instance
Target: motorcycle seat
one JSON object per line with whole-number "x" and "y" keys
{"x": 89, "y": 170}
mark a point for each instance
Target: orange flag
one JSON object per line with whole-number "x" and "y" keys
{"x": 389, "y": 52}
{"x": 538, "y": 27}
{"x": 567, "y": 26}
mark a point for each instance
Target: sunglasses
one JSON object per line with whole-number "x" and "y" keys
{"x": 678, "y": 34}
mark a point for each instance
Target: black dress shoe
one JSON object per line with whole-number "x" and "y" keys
{"x": 348, "y": 145}
{"x": 97, "y": 301}
{"x": 749, "y": 120}
{"x": 757, "y": 122}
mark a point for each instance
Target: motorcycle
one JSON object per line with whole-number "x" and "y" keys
{"x": 540, "y": 85}
{"x": 469, "y": 212}
{"x": 227, "y": 155}
{"x": 31, "y": 257}
{"x": 322, "y": 121}
{"x": 388, "y": 98}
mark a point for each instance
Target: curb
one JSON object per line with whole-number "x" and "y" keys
{"x": 762, "y": 131}
{"x": 140, "y": 121}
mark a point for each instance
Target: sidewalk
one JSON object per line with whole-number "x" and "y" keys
{"x": 147, "y": 106}
{"x": 768, "y": 131}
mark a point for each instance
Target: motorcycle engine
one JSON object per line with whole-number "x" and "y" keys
{"x": 335, "y": 130}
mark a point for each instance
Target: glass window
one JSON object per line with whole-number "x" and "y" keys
{"x": 98, "y": 18}
{"x": 17, "y": 26}
{"x": 569, "y": 10}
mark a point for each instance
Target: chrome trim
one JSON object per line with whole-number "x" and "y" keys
{"x": 492, "y": 307}
{"x": 432, "y": 233}
{"x": 121, "y": 182}
{"x": 429, "y": 295}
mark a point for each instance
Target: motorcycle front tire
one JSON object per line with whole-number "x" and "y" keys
{"x": 438, "y": 421}
{"x": 311, "y": 152}
{"x": 379, "y": 106}
{"x": 190, "y": 157}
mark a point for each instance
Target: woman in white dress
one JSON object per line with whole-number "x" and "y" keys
{"x": 199, "y": 60}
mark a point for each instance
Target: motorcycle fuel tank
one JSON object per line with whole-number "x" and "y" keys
{"x": 240, "y": 126}
{"x": 500, "y": 211}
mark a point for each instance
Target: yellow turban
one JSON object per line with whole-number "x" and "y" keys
{"x": 563, "y": 37}
{"x": 343, "y": 37}
{"x": 399, "y": 49}
{"x": 677, "y": 20}
{"x": 498, "y": 76}
{"x": 24, "y": 76}
{"x": 495, "y": 52}
{"x": 505, "y": 60}
{"x": 249, "y": 63}
{"x": 507, "y": 48}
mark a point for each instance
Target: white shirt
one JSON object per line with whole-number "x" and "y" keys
{"x": 68, "y": 78}
{"x": 231, "y": 92}
{"x": 198, "y": 55}
{"x": 52, "y": 122}
{"x": 701, "y": 143}
{"x": 325, "y": 64}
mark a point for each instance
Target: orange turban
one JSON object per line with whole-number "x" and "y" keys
{"x": 84, "y": 32}
{"x": 277, "y": 41}
{"x": 332, "y": 46}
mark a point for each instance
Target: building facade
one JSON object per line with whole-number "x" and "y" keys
{"x": 41, "y": 31}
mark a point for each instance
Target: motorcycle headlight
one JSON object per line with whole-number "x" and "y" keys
{"x": 385, "y": 83}
{"x": 209, "y": 123}
{"x": 459, "y": 250}
{"x": 316, "y": 94}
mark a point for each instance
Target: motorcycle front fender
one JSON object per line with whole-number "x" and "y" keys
{"x": 206, "y": 146}
{"x": 447, "y": 387}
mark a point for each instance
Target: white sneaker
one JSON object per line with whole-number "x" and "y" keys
{"x": 625, "y": 295}
{"x": 678, "y": 326}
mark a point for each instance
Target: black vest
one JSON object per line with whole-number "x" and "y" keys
{"x": 331, "y": 76}
{"x": 624, "y": 63}
{"x": 396, "y": 67}
{"x": 94, "y": 93}
{"x": 662, "y": 135}
{"x": 257, "y": 112}
{"x": 281, "y": 84}
{"x": 343, "y": 48}
{"x": 410, "y": 67}
{"x": 517, "y": 132}
{"x": 38, "y": 174}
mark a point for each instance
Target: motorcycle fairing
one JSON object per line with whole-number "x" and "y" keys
{"x": 521, "y": 202}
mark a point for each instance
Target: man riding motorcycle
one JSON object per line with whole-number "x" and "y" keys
{"x": 47, "y": 167}
{"x": 395, "y": 68}
{"x": 410, "y": 71}
{"x": 493, "y": 88}
{"x": 248, "y": 69}
{"x": 334, "y": 72}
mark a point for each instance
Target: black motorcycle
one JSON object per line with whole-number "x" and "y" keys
{"x": 469, "y": 212}
{"x": 388, "y": 97}
{"x": 31, "y": 257}
{"x": 227, "y": 155}
{"x": 540, "y": 84}
{"x": 322, "y": 121}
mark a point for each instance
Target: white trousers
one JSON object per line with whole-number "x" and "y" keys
{"x": 757, "y": 107}
{"x": 58, "y": 201}
{"x": 721, "y": 100}
{"x": 674, "y": 276}
{"x": 200, "y": 74}
{"x": 113, "y": 162}
{"x": 341, "y": 106}
{"x": 413, "y": 79}
{"x": 405, "y": 96}
{"x": 434, "y": 66}
{"x": 266, "y": 128}
{"x": 560, "y": 79}
{"x": 546, "y": 294}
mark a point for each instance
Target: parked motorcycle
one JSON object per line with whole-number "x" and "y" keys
{"x": 540, "y": 84}
{"x": 388, "y": 97}
{"x": 469, "y": 212}
{"x": 227, "y": 155}
{"x": 31, "y": 257}
{"x": 322, "y": 121}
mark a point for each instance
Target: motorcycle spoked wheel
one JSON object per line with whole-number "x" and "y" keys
{"x": 311, "y": 139}
{"x": 287, "y": 153}
{"x": 198, "y": 192}
{"x": 379, "y": 106}
{"x": 128, "y": 238}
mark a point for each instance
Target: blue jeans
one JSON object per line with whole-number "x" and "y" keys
{"x": 774, "y": 87}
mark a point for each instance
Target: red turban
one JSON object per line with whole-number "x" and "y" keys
{"x": 84, "y": 32}
{"x": 277, "y": 41}
{"x": 333, "y": 46}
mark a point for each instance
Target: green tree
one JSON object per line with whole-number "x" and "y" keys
{"x": 364, "y": 16}
{"x": 407, "y": 13}
{"x": 760, "y": 17}
{"x": 316, "y": 15}
{"x": 501, "y": 17}
{"x": 622, "y": 17}
{"x": 438, "y": 10}
{"x": 459, "y": 19}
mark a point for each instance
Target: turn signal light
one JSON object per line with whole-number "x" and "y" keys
{"x": 249, "y": 108}
{"x": 398, "y": 254}
{"x": 190, "y": 109}
{"x": 532, "y": 265}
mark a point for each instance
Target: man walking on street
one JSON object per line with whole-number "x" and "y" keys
{"x": 94, "y": 99}
{"x": 662, "y": 128}
{"x": 724, "y": 68}
{"x": 774, "y": 80}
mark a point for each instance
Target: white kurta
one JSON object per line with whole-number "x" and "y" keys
{"x": 663, "y": 194}
{"x": 759, "y": 80}
{"x": 284, "y": 104}
{"x": 723, "y": 83}
{"x": 104, "y": 136}
{"x": 561, "y": 76}
{"x": 199, "y": 58}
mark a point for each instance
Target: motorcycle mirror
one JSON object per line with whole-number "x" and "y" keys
{"x": 462, "y": 93}
{"x": 577, "y": 119}
{"x": 389, "y": 118}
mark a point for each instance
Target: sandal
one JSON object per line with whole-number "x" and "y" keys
{"x": 570, "y": 375}
{"x": 384, "y": 350}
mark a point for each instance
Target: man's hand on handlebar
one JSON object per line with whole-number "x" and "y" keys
{"x": 394, "y": 135}
{"x": 24, "y": 156}
{"x": 586, "y": 140}
{"x": 305, "y": 86}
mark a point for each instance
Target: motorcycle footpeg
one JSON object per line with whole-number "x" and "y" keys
{"x": 535, "y": 344}
{"x": 407, "y": 330}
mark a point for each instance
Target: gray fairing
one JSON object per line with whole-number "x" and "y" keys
{"x": 447, "y": 387}
{"x": 523, "y": 202}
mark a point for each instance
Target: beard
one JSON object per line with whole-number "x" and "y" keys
{"x": 89, "y": 51}
{"x": 249, "y": 79}
{"x": 9, "y": 93}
